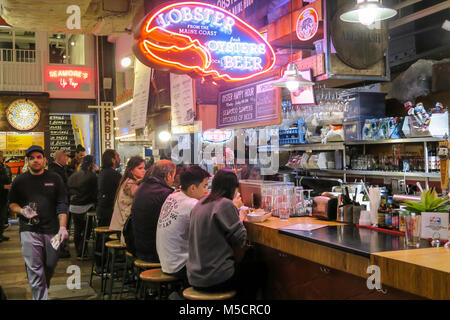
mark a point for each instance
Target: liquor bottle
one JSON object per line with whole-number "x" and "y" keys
{"x": 432, "y": 158}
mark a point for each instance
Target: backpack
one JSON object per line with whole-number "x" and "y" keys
{"x": 128, "y": 235}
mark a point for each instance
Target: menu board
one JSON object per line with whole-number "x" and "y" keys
{"x": 61, "y": 133}
{"x": 182, "y": 100}
{"x": 140, "y": 96}
{"x": 246, "y": 106}
{"x": 22, "y": 141}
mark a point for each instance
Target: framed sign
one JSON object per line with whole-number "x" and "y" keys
{"x": 305, "y": 95}
{"x": 140, "y": 96}
{"x": 69, "y": 82}
{"x": 202, "y": 40}
{"x": 23, "y": 114}
{"x": 257, "y": 104}
{"x": 307, "y": 24}
{"x": 107, "y": 126}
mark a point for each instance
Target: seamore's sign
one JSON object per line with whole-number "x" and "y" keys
{"x": 202, "y": 40}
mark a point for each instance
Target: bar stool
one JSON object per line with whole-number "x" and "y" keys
{"x": 192, "y": 294}
{"x": 129, "y": 275}
{"x": 113, "y": 236}
{"x": 102, "y": 232}
{"x": 91, "y": 218}
{"x": 162, "y": 281}
{"x": 141, "y": 266}
{"x": 115, "y": 247}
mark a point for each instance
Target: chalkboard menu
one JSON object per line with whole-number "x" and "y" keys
{"x": 256, "y": 104}
{"x": 61, "y": 133}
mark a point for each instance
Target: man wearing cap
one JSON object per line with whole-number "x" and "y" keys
{"x": 39, "y": 199}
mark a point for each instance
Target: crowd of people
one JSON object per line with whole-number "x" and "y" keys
{"x": 165, "y": 214}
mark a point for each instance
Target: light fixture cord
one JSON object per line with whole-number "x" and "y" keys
{"x": 292, "y": 55}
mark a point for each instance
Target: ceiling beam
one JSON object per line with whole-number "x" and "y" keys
{"x": 419, "y": 14}
{"x": 405, "y": 4}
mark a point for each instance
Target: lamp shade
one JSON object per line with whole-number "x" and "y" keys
{"x": 292, "y": 79}
{"x": 4, "y": 24}
{"x": 368, "y": 12}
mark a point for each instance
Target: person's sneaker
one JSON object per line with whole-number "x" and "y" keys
{"x": 175, "y": 296}
{"x": 6, "y": 226}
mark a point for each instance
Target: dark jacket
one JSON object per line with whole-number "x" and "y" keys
{"x": 145, "y": 210}
{"x": 82, "y": 187}
{"x": 5, "y": 179}
{"x": 108, "y": 181}
{"x": 60, "y": 170}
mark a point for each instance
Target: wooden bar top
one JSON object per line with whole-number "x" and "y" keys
{"x": 424, "y": 272}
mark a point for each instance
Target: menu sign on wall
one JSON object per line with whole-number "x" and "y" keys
{"x": 61, "y": 133}
{"x": 140, "y": 96}
{"x": 255, "y": 104}
{"x": 22, "y": 141}
{"x": 182, "y": 100}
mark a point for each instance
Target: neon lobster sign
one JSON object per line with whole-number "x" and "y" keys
{"x": 202, "y": 40}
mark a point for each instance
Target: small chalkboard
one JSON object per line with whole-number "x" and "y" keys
{"x": 256, "y": 104}
{"x": 61, "y": 133}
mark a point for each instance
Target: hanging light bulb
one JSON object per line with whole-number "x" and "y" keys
{"x": 292, "y": 79}
{"x": 368, "y": 12}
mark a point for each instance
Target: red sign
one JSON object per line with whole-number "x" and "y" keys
{"x": 202, "y": 40}
{"x": 68, "y": 78}
{"x": 307, "y": 24}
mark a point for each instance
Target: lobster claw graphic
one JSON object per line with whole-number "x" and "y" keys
{"x": 202, "y": 40}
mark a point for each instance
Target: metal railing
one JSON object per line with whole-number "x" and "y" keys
{"x": 17, "y": 55}
{"x": 21, "y": 70}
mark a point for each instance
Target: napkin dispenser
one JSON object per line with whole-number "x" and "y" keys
{"x": 325, "y": 208}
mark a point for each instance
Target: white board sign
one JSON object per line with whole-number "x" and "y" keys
{"x": 140, "y": 96}
{"x": 182, "y": 99}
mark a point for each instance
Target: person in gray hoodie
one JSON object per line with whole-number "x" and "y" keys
{"x": 215, "y": 230}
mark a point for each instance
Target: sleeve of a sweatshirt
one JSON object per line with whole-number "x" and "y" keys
{"x": 227, "y": 216}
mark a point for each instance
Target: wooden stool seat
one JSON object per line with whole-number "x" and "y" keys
{"x": 114, "y": 236}
{"x": 102, "y": 229}
{"x": 156, "y": 275}
{"x": 147, "y": 265}
{"x": 192, "y": 294}
{"x": 114, "y": 244}
{"x": 129, "y": 254}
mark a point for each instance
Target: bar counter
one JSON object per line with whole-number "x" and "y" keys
{"x": 332, "y": 262}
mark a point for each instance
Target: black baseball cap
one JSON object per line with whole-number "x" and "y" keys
{"x": 34, "y": 148}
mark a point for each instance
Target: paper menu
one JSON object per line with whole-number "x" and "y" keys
{"x": 305, "y": 226}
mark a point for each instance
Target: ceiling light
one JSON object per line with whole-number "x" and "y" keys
{"x": 4, "y": 24}
{"x": 125, "y": 62}
{"x": 292, "y": 79}
{"x": 367, "y": 12}
{"x": 446, "y": 25}
{"x": 126, "y": 136}
{"x": 123, "y": 105}
{"x": 72, "y": 43}
{"x": 164, "y": 136}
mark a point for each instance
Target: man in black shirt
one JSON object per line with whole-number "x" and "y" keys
{"x": 108, "y": 182}
{"x": 39, "y": 199}
{"x": 75, "y": 163}
{"x": 5, "y": 185}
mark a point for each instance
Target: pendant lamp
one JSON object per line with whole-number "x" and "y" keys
{"x": 292, "y": 79}
{"x": 367, "y": 12}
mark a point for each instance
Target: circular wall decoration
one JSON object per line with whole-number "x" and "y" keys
{"x": 307, "y": 24}
{"x": 23, "y": 114}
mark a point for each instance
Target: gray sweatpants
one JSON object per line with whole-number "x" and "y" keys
{"x": 40, "y": 259}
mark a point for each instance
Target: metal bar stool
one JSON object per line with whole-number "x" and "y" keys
{"x": 102, "y": 232}
{"x": 91, "y": 218}
{"x": 129, "y": 275}
{"x": 159, "y": 279}
{"x": 141, "y": 266}
{"x": 192, "y": 294}
{"x": 113, "y": 266}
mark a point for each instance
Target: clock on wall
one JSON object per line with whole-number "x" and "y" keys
{"x": 23, "y": 114}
